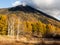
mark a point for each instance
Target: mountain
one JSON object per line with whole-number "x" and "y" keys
{"x": 33, "y": 20}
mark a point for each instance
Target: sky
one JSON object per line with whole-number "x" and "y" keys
{"x": 51, "y": 7}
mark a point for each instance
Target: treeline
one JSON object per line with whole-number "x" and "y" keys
{"x": 40, "y": 29}
{"x": 37, "y": 29}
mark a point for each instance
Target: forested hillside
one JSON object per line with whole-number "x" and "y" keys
{"x": 30, "y": 21}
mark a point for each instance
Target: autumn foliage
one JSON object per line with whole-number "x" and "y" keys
{"x": 37, "y": 28}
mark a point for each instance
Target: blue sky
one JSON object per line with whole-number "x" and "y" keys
{"x": 50, "y": 7}
{"x": 6, "y": 3}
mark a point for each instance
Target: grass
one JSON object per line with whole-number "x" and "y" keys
{"x": 10, "y": 40}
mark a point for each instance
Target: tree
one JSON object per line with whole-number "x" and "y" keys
{"x": 3, "y": 24}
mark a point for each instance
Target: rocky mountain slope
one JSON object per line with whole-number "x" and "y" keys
{"x": 33, "y": 21}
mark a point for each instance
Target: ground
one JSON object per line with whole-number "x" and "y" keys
{"x": 12, "y": 40}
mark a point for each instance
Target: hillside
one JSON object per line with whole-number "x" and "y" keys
{"x": 29, "y": 21}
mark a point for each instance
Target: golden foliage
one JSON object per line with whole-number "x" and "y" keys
{"x": 3, "y": 24}
{"x": 28, "y": 26}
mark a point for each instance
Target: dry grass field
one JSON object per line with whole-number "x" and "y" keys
{"x": 9, "y": 40}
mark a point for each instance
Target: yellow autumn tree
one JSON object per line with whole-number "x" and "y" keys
{"x": 3, "y": 24}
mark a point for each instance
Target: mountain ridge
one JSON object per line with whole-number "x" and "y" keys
{"x": 27, "y": 9}
{"x": 17, "y": 8}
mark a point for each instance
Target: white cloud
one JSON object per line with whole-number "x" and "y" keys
{"x": 56, "y": 14}
{"x": 19, "y": 3}
{"x": 49, "y": 1}
{"x": 16, "y": 3}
